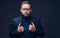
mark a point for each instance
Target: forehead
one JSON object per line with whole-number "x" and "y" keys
{"x": 25, "y": 6}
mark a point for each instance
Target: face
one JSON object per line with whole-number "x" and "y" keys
{"x": 25, "y": 9}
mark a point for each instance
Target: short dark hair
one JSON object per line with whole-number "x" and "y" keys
{"x": 25, "y": 2}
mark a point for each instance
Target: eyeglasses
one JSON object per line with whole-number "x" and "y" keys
{"x": 25, "y": 8}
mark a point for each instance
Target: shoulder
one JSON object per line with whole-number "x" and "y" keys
{"x": 16, "y": 18}
{"x": 36, "y": 18}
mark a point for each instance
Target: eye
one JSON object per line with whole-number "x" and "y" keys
{"x": 25, "y": 8}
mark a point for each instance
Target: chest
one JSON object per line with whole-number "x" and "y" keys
{"x": 26, "y": 24}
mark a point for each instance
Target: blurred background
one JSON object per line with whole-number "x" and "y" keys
{"x": 47, "y": 10}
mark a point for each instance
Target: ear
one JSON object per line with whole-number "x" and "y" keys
{"x": 20, "y": 10}
{"x": 31, "y": 10}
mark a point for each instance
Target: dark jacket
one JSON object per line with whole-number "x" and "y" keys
{"x": 25, "y": 21}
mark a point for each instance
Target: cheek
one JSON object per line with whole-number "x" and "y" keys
{"x": 22, "y": 12}
{"x": 29, "y": 12}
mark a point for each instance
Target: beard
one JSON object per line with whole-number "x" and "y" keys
{"x": 26, "y": 15}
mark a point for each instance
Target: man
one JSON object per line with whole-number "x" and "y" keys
{"x": 26, "y": 26}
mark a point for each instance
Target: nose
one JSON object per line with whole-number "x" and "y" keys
{"x": 26, "y": 10}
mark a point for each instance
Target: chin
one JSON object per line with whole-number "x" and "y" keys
{"x": 26, "y": 15}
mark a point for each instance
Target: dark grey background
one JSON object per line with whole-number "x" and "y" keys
{"x": 47, "y": 10}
